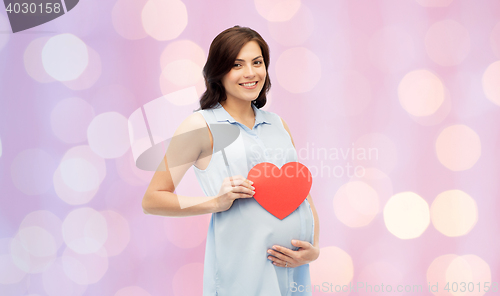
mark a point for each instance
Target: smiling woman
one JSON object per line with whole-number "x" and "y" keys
{"x": 249, "y": 251}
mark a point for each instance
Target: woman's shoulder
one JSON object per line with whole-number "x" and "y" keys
{"x": 193, "y": 122}
{"x": 271, "y": 117}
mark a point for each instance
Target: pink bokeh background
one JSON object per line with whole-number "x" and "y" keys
{"x": 393, "y": 105}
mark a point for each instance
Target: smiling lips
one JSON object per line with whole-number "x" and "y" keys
{"x": 249, "y": 85}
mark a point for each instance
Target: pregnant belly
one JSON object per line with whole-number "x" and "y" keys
{"x": 273, "y": 231}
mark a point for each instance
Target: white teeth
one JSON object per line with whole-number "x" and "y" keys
{"x": 249, "y": 84}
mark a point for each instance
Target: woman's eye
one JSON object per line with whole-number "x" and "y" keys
{"x": 236, "y": 65}
{"x": 258, "y": 62}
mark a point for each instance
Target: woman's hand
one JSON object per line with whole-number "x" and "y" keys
{"x": 231, "y": 189}
{"x": 284, "y": 257}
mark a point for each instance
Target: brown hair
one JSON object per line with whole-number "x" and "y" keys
{"x": 223, "y": 52}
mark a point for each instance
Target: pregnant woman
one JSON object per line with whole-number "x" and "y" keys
{"x": 249, "y": 252}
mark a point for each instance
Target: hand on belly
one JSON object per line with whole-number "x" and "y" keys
{"x": 285, "y": 257}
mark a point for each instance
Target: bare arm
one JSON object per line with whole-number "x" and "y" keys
{"x": 191, "y": 141}
{"x": 160, "y": 198}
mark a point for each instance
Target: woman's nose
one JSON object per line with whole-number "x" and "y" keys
{"x": 249, "y": 72}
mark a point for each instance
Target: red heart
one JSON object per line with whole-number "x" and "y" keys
{"x": 280, "y": 191}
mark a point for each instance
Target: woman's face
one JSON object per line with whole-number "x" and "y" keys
{"x": 248, "y": 75}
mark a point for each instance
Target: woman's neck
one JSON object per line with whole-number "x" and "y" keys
{"x": 239, "y": 110}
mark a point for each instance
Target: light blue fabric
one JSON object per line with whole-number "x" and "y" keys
{"x": 238, "y": 239}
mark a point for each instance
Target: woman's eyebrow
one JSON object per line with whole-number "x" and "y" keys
{"x": 240, "y": 60}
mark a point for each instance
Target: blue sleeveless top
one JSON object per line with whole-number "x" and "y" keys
{"x": 238, "y": 239}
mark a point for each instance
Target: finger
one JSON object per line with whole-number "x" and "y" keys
{"x": 236, "y": 180}
{"x": 232, "y": 181}
{"x": 301, "y": 244}
{"x": 245, "y": 182}
{"x": 248, "y": 182}
{"x": 280, "y": 255}
{"x": 247, "y": 185}
{"x": 285, "y": 251}
{"x": 244, "y": 195}
{"x": 242, "y": 189}
{"x": 279, "y": 262}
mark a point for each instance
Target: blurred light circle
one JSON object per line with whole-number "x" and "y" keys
{"x": 4, "y": 26}
{"x": 188, "y": 232}
{"x": 56, "y": 283}
{"x": 182, "y": 50}
{"x": 277, "y": 10}
{"x": 335, "y": 267}
{"x": 85, "y": 230}
{"x": 132, "y": 291}
{"x": 69, "y": 195}
{"x": 164, "y": 19}
{"x": 20, "y": 256}
{"x": 391, "y": 49}
{"x": 108, "y": 135}
{"x": 292, "y": 75}
{"x": 118, "y": 233}
{"x": 70, "y": 118}
{"x": 447, "y": 43}
{"x": 406, "y": 215}
{"x": 33, "y": 60}
{"x": 27, "y": 262}
{"x": 85, "y": 269}
{"x": 350, "y": 91}
{"x": 436, "y": 274}
{"x": 31, "y": 171}
{"x": 126, "y": 17}
{"x": 434, "y": 3}
{"x": 94, "y": 168}
{"x": 85, "y": 152}
{"x": 296, "y": 30}
{"x": 421, "y": 93}
{"x": 10, "y": 273}
{"x": 377, "y": 180}
{"x": 79, "y": 174}
{"x": 182, "y": 63}
{"x": 437, "y": 117}
{"x": 454, "y": 213}
{"x": 37, "y": 241}
{"x": 376, "y": 151}
{"x": 46, "y": 220}
{"x": 65, "y": 57}
{"x": 183, "y": 73}
{"x": 495, "y": 40}
{"x": 355, "y": 204}
{"x": 114, "y": 97}
{"x": 183, "y": 98}
{"x": 469, "y": 268}
{"x": 91, "y": 73}
{"x": 128, "y": 171}
{"x": 458, "y": 147}
{"x": 188, "y": 280}
{"x": 491, "y": 85}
